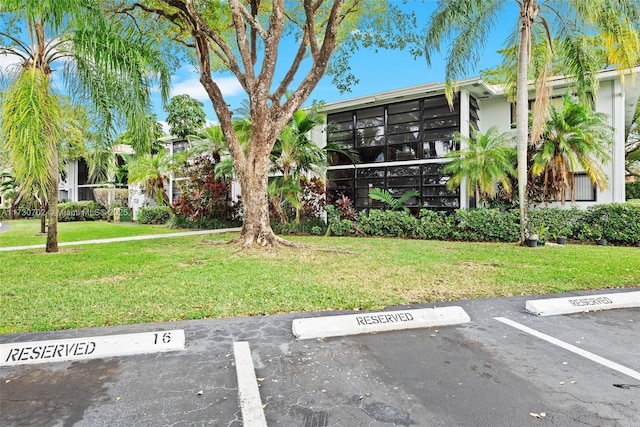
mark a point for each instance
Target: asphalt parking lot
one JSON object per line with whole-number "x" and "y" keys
{"x": 506, "y": 367}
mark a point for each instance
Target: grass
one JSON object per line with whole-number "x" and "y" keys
{"x": 27, "y": 232}
{"x": 194, "y": 278}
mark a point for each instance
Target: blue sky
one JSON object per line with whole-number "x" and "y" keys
{"x": 377, "y": 72}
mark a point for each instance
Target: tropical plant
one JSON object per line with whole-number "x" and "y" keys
{"x": 575, "y": 137}
{"x": 484, "y": 160}
{"x": 204, "y": 197}
{"x": 211, "y": 140}
{"x": 112, "y": 66}
{"x": 391, "y": 202}
{"x": 467, "y": 24}
{"x": 293, "y": 156}
{"x": 153, "y": 170}
{"x": 8, "y": 190}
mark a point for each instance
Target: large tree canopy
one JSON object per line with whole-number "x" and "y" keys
{"x": 186, "y": 116}
{"x": 247, "y": 38}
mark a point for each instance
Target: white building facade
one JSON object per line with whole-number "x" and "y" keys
{"x": 402, "y": 136}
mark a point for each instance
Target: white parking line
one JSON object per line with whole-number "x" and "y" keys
{"x": 593, "y": 357}
{"x": 249, "y": 395}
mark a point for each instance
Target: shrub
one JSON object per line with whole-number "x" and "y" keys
{"x": 387, "y": 223}
{"x": 204, "y": 196}
{"x": 485, "y": 225}
{"x": 432, "y": 225}
{"x": 557, "y": 221}
{"x": 154, "y": 215}
{"x": 344, "y": 227}
{"x": 81, "y": 211}
{"x": 314, "y": 226}
{"x": 633, "y": 190}
{"x": 314, "y": 198}
{"x": 619, "y": 223}
{"x": 111, "y": 198}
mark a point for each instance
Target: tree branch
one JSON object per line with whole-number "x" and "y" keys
{"x": 237, "y": 12}
{"x": 276, "y": 28}
{"x": 320, "y": 62}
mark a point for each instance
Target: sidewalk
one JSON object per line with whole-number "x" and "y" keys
{"x": 123, "y": 239}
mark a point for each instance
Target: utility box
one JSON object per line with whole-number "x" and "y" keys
{"x": 125, "y": 214}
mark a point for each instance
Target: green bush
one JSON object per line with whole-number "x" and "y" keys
{"x": 344, "y": 227}
{"x": 154, "y": 215}
{"x": 5, "y": 213}
{"x": 81, "y": 211}
{"x": 485, "y": 225}
{"x": 432, "y": 225}
{"x": 619, "y": 223}
{"x": 557, "y": 221}
{"x": 387, "y": 223}
{"x": 632, "y": 190}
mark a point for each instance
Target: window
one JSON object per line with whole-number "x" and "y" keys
{"x": 340, "y": 135}
{"x": 585, "y": 190}
{"x": 340, "y": 183}
{"x": 402, "y": 133}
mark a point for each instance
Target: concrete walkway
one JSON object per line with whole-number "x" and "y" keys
{"x": 124, "y": 239}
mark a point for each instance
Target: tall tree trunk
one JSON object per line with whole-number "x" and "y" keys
{"x": 529, "y": 10}
{"x": 43, "y": 216}
{"x": 52, "y": 201}
{"x": 256, "y": 228}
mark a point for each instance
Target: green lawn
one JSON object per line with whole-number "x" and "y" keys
{"x": 27, "y": 232}
{"x": 195, "y": 277}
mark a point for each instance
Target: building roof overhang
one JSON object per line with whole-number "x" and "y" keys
{"x": 476, "y": 86}
{"x": 480, "y": 89}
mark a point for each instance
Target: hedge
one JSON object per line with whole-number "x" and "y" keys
{"x": 81, "y": 211}
{"x": 154, "y": 215}
{"x": 632, "y": 190}
{"x": 619, "y": 223}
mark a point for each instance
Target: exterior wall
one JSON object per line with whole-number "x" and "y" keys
{"x": 613, "y": 99}
{"x": 610, "y": 100}
{"x": 401, "y": 145}
{"x": 495, "y": 112}
{"x": 76, "y": 188}
{"x": 137, "y": 200}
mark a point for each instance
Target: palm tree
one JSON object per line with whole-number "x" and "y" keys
{"x": 211, "y": 140}
{"x": 488, "y": 158}
{"x": 467, "y": 24}
{"x": 294, "y": 155}
{"x": 574, "y": 137}
{"x": 103, "y": 62}
{"x": 152, "y": 170}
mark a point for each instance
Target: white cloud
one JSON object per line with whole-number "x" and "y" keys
{"x": 8, "y": 62}
{"x": 187, "y": 82}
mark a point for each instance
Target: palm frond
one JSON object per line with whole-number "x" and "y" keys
{"x": 31, "y": 124}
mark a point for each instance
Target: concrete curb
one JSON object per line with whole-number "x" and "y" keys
{"x": 362, "y": 323}
{"x": 582, "y": 304}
